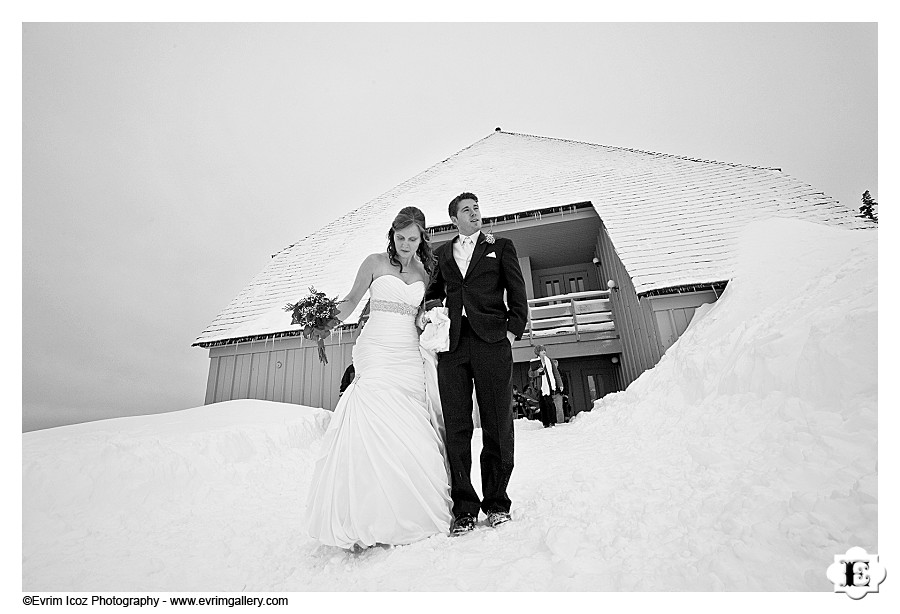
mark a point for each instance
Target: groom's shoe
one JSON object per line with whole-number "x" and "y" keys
{"x": 462, "y": 524}
{"x": 495, "y": 519}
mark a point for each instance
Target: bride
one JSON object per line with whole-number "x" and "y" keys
{"x": 380, "y": 477}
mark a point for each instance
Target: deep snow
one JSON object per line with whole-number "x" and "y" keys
{"x": 745, "y": 460}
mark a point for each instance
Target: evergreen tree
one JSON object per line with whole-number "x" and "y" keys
{"x": 867, "y": 211}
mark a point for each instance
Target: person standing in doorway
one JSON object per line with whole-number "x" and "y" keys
{"x": 549, "y": 383}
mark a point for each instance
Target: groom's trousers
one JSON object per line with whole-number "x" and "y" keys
{"x": 489, "y": 365}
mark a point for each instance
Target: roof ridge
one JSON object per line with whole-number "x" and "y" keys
{"x": 463, "y": 149}
{"x": 409, "y": 182}
{"x": 641, "y": 151}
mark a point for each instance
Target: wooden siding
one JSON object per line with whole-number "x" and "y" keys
{"x": 286, "y": 370}
{"x": 673, "y": 313}
{"x": 634, "y": 319}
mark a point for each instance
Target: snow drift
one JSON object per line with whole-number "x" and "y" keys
{"x": 745, "y": 460}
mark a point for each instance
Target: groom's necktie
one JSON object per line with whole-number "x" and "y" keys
{"x": 468, "y": 247}
{"x": 462, "y": 252}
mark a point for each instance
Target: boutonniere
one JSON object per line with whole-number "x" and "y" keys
{"x": 489, "y": 238}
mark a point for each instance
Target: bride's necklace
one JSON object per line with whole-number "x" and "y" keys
{"x": 407, "y": 266}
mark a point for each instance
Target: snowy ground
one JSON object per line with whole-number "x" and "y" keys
{"x": 744, "y": 461}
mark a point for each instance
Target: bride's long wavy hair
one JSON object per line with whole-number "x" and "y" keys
{"x": 407, "y": 216}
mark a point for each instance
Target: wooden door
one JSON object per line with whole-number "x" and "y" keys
{"x": 562, "y": 282}
{"x": 593, "y": 387}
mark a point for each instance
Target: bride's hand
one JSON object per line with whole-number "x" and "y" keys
{"x": 421, "y": 319}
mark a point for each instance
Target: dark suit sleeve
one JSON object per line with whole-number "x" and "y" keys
{"x": 349, "y": 374}
{"x": 516, "y": 299}
{"x": 437, "y": 290}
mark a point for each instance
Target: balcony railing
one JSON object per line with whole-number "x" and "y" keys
{"x": 576, "y": 312}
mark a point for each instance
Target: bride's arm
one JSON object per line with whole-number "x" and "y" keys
{"x": 363, "y": 280}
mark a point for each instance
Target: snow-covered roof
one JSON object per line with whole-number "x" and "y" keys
{"x": 673, "y": 220}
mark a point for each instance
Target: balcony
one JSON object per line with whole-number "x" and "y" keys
{"x": 575, "y": 324}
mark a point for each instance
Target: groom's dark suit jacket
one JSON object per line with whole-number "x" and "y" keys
{"x": 494, "y": 268}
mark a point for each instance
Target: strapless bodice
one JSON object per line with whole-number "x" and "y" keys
{"x": 396, "y": 296}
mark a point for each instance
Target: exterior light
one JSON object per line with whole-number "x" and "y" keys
{"x": 614, "y": 360}
{"x": 612, "y": 286}
{"x": 596, "y": 261}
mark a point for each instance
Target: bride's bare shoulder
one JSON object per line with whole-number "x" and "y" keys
{"x": 379, "y": 258}
{"x": 375, "y": 262}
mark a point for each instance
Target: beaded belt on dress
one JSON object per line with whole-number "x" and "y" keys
{"x": 393, "y": 307}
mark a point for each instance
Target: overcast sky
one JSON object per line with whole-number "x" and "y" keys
{"x": 165, "y": 163}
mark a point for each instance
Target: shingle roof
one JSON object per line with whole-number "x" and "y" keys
{"x": 673, "y": 220}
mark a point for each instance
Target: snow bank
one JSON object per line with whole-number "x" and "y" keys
{"x": 761, "y": 421}
{"x": 744, "y": 461}
{"x": 163, "y": 501}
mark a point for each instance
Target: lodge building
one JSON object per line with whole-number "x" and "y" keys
{"x": 618, "y": 248}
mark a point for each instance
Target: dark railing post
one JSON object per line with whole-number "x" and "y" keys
{"x": 530, "y": 324}
{"x": 574, "y": 316}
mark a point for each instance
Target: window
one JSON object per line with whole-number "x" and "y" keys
{"x": 576, "y": 284}
{"x": 553, "y": 287}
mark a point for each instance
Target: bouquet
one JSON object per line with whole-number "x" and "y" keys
{"x": 318, "y": 316}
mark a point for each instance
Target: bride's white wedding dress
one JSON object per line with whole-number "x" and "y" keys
{"x": 381, "y": 477}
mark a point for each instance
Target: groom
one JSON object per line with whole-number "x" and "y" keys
{"x": 474, "y": 271}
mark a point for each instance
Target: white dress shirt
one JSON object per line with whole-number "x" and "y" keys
{"x": 462, "y": 253}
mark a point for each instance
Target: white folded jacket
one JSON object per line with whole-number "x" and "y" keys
{"x": 436, "y": 335}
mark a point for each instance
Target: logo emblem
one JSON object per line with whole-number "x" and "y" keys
{"x": 856, "y": 573}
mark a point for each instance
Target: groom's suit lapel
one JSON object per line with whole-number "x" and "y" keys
{"x": 451, "y": 260}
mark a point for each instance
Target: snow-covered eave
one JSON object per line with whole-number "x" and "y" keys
{"x": 716, "y": 286}
{"x": 229, "y": 339}
{"x": 487, "y": 222}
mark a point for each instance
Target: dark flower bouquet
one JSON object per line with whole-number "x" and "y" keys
{"x": 318, "y": 315}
